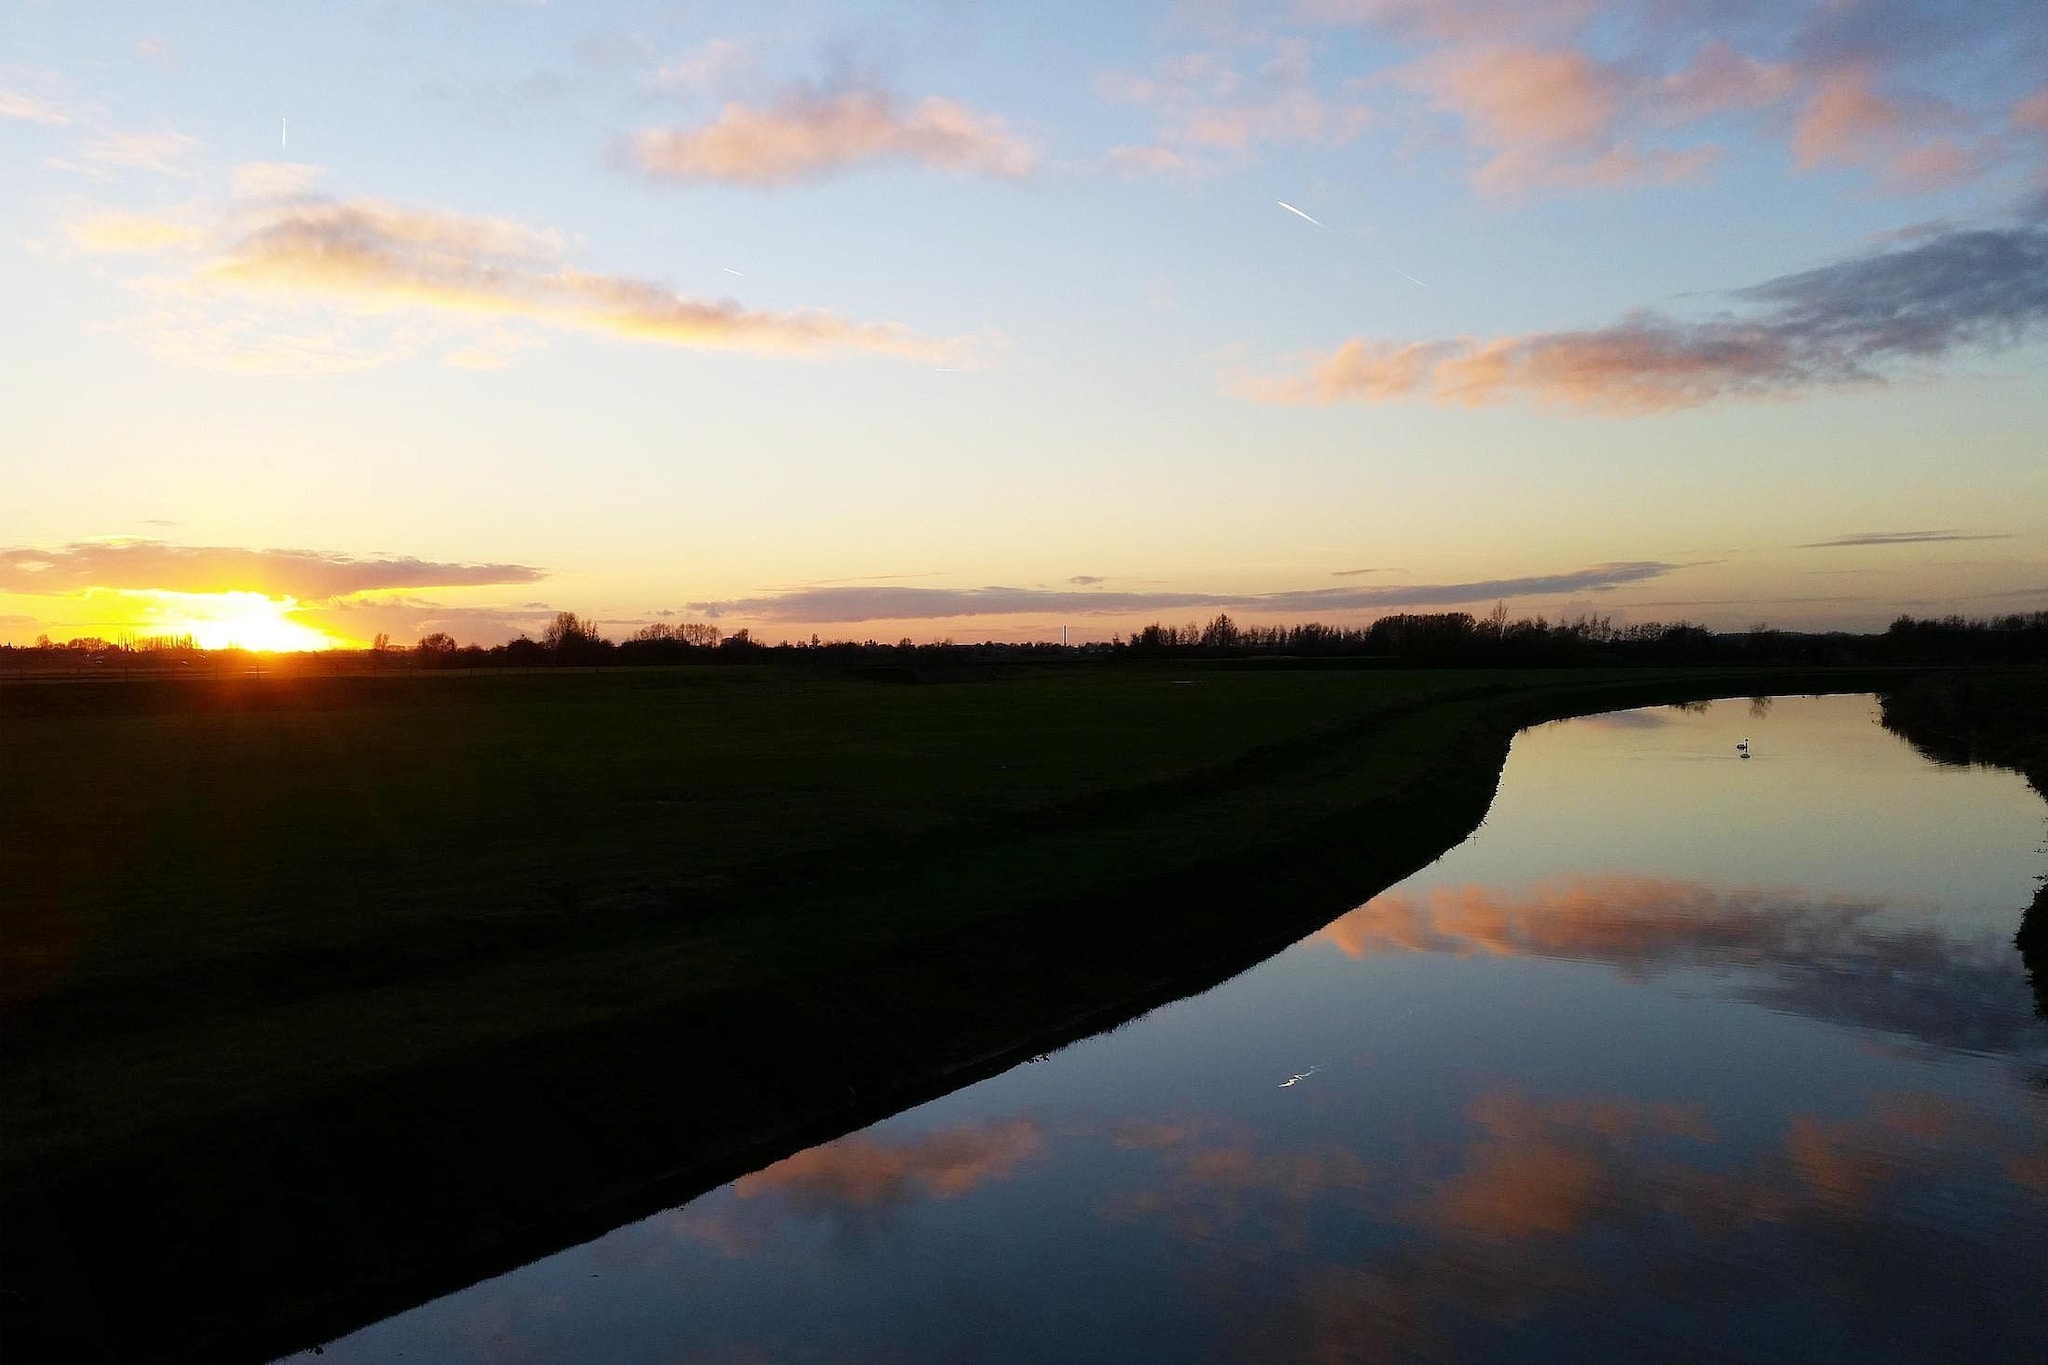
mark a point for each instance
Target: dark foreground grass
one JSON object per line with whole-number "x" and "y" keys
{"x": 324, "y": 996}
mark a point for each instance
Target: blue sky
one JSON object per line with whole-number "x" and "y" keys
{"x": 1013, "y": 302}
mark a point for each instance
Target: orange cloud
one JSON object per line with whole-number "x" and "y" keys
{"x": 1638, "y": 921}
{"x": 1547, "y": 1168}
{"x": 861, "y": 1172}
{"x": 807, "y": 135}
{"x": 1827, "y": 959}
{"x": 369, "y": 257}
{"x": 1633, "y": 367}
{"x": 1837, "y": 325}
{"x": 1213, "y": 1180}
{"x": 153, "y": 565}
{"x": 1524, "y": 1223}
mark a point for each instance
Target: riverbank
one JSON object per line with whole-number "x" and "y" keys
{"x": 1999, "y": 719}
{"x": 311, "y": 1018}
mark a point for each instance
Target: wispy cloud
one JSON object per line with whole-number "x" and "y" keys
{"x": 162, "y": 152}
{"x": 158, "y": 565}
{"x": 1547, "y": 117}
{"x": 33, "y": 96}
{"x": 714, "y": 67}
{"x": 367, "y": 257}
{"x": 807, "y": 134}
{"x": 112, "y": 231}
{"x": 93, "y": 145}
{"x": 30, "y": 108}
{"x": 1863, "y": 538}
{"x": 1848, "y": 323}
{"x": 845, "y": 605}
{"x": 1214, "y": 113}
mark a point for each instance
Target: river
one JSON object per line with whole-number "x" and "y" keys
{"x": 1681, "y": 1056}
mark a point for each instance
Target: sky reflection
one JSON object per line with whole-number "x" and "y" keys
{"x": 1679, "y": 1056}
{"x": 1830, "y": 958}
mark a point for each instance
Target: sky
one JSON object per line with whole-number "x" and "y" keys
{"x": 980, "y": 322}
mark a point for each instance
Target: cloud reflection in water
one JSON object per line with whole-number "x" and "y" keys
{"x": 1828, "y": 958}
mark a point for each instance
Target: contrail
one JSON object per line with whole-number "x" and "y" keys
{"x": 284, "y": 134}
{"x": 1299, "y": 214}
{"x": 1326, "y": 227}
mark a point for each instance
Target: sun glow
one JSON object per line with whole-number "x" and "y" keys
{"x": 230, "y": 620}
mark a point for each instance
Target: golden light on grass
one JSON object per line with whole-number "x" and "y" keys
{"x": 229, "y": 620}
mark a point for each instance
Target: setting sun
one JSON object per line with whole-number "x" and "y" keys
{"x": 231, "y": 620}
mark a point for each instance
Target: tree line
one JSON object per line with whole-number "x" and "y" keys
{"x": 1452, "y": 639}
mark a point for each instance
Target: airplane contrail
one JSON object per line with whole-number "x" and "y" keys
{"x": 1326, "y": 227}
{"x": 1299, "y": 214}
{"x": 284, "y": 134}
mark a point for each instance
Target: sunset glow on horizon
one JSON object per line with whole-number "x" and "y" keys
{"x": 230, "y": 620}
{"x": 880, "y": 320}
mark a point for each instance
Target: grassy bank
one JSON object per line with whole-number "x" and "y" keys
{"x": 325, "y": 995}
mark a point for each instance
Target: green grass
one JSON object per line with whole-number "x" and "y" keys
{"x": 322, "y": 995}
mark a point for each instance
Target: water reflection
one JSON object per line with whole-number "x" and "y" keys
{"x": 1514, "y": 1252}
{"x": 1546, "y": 1221}
{"x": 1678, "y": 1058}
{"x": 859, "y": 1183}
{"x": 1833, "y": 958}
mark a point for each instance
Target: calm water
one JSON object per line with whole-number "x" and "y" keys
{"x": 1680, "y": 1057}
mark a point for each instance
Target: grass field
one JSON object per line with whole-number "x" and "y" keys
{"x": 323, "y": 995}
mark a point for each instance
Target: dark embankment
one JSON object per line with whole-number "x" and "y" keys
{"x": 1996, "y": 718}
{"x": 323, "y": 999}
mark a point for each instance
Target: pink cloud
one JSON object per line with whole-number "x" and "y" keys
{"x": 1572, "y": 94}
{"x": 1551, "y": 118}
{"x": 2031, "y": 113}
{"x": 1844, "y": 118}
{"x": 1847, "y": 323}
{"x": 1849, "y": 121}
{"x": 1213, "y": 115}
{"x": 806, "y": 135}
{"x": 1720, "y": 79}
{"x": 1511, "y": 96}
